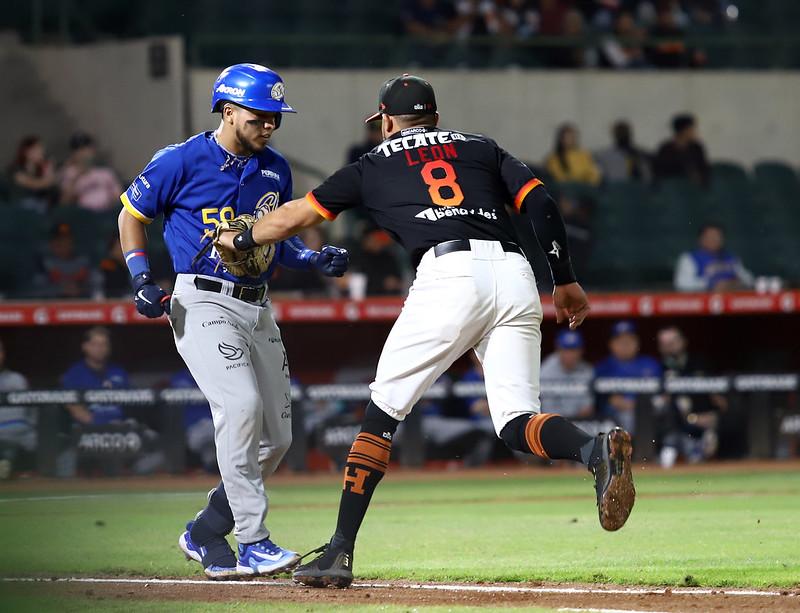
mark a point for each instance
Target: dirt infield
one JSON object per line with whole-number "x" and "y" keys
{"x": 557, "y": 596}
{"x": 182, "y": 483}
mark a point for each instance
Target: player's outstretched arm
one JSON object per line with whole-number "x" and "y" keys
{"x": 151, "y": 301}
{"x": 285, "y": 221}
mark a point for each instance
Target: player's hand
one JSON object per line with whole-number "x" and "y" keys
{"x": 151, "y": 301}
{"x": 571, "y": 304}
{"x": 331, "y": 261}
{"x": 225, "y": 239}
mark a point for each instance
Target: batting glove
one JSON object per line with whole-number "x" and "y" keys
{"x": 331, "y": 261}
{"x": 151, "y": 301}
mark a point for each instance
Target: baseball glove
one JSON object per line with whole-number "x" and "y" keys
{"x": 250, "y": 263}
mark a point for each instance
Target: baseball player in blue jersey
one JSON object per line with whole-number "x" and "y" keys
{"x": 223, "y": 324}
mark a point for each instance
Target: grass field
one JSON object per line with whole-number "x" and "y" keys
{"x": 705, "y": 529}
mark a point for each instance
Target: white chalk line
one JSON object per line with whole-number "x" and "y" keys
{"x": 627, "y": 591}
{"x": 96, "y": 496}
{"x": 608, "y": 610}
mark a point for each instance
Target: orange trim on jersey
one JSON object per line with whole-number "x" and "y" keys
{"x": 524, "y": 191}
{"x": 133, "y": 210}
{"x": 319, "y": 208}
{"x": 533, "y": 434}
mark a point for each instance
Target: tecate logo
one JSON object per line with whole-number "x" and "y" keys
{"x": 233, "y": 91}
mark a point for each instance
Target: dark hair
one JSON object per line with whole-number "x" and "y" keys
{"x": 22, "y": 153}
{"x": 681, "y": 122}
{"x": 80, "y": 140}
{"x": 710, "y": 225}
{"x": 560, "y": 150}
{"x": 410, "y": 121}
{"x": 94, "y": 330}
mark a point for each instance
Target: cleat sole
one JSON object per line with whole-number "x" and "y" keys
{"x": 618, "y": 499}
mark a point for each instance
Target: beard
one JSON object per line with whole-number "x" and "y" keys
{"x": 249, "y": 145}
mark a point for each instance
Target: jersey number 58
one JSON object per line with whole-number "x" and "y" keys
{"x": 224, "y": 214}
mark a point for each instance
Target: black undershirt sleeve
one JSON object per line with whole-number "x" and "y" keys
{"x": 551, "y": 233}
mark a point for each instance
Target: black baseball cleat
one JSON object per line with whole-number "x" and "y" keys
{"x": 332, "y": 568}
{"x": 613, "y": 480}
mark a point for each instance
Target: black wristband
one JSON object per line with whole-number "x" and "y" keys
{"x": 244, "y": 241}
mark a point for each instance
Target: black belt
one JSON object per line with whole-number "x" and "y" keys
{"x": 463, "y": 244}
{"x": 247, "y": 293}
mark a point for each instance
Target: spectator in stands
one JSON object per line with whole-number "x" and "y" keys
{"x": 710, "y": 267}
{"x": 17, "y": 424}
{"x": 95, "y": 372}
{"x": 683, "y": 156}
{"x": 197, "y": 423}
{"x": 689, "y": 422}
{"x": 64, "y": 273}
{"x": 623, "y": 49}
{"x": 379, "y": 264}
{"x": 566, "y": 366}
{"x": 569, "y": 162}
{"x": 670, "y": 49}
{"x": 372, "y": 138}
{"x": 511, "y": 18}
{"x": 577, "y": 55}
{"x": 33, "y": 176}
{"x": 429, "y": 18}
{"x": 85, "y": 182}
{"x": 115, "y": 278}
{"x": 623, "y": 160}
{"x": 624, "y": 362}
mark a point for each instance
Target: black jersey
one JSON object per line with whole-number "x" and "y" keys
{"x": 427, "y": 185}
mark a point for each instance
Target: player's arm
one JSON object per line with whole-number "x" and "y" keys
{"x": 340, "y": 191}
{"x": 141, "y": 203}
{"x": 530, "y": 197}
{"x": 568, "y": 296}
{"x": 330, "y": 261}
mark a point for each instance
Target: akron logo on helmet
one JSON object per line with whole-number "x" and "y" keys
{"x": 277, "y": 91}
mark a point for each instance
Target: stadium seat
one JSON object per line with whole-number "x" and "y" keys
{"x": 729, "y": 177}
{"x": 777, "y": 177}
{"x": 21, "y": 223}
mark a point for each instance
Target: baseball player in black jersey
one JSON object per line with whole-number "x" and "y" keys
{"x": 446, "y": 196}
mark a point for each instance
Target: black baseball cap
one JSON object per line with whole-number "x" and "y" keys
{"x": 405, "y": 95}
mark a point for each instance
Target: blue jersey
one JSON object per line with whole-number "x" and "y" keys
{"x": 81, "y": 377}
{"x": 196, "y": 183}
{"x": 640, "y": 366}
{"x": 192, "y": 413}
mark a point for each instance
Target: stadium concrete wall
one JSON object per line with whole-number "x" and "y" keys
{"x": 106, "y": 89}
{"x": 743, "y": 116}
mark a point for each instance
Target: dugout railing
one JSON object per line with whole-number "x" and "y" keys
{"x": 768, "y": 403}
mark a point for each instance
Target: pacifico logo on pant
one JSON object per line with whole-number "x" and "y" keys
{"x": 229, "y": 352}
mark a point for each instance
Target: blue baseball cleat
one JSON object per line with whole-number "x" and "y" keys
{"x": 197, "y": 553}
{"x": 265, "y": 558}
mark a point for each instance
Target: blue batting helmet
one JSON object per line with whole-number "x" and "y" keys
{"x": 252, "y": 86}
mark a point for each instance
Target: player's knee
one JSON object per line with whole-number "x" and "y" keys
{"x": 513, "y": 433}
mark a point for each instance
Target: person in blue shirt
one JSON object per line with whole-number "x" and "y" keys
{"x": 711, "y": 267}
{"x": 624, "y": 362}
{"x": 94, "y": 372}
{"x": 223, "y": 325}
{"x": 197, "y": 422}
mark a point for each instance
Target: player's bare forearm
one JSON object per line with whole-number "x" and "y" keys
{"x": 282, "y": 223}
{"x": 132, "y": 232}
{"x": 286, "y": 221}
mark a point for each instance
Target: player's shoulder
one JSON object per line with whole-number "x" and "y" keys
{"x": 470, "y": 137}
{"x": 75, "y": 371}
{"x": 174, "y": 154}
